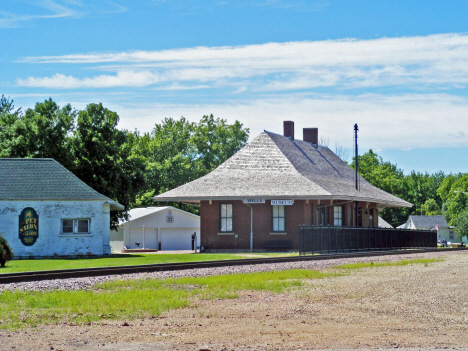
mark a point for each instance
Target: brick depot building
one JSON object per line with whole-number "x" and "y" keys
{"x": 273, "y": 185}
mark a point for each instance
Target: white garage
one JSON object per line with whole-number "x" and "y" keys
{"x": 158, "y": 228}
{"x": 176, "y": 239}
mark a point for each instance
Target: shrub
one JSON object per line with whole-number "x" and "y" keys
{"x": 6, "y": 252}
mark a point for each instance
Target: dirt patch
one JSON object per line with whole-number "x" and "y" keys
{"x": 385, "y": 307}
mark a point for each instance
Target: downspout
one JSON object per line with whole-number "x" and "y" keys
{"x": 251, "y": 227}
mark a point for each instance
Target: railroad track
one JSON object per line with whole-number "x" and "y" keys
{"x": 7, "y": 278}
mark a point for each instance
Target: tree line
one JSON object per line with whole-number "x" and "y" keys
{"x": 430, "y": 194}
{"x": 132, "y": 167}
{"x": 127, "y": 166}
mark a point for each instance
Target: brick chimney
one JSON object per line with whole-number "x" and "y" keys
{"x": 310, "y": 135}
{"x": 288, "y": 129}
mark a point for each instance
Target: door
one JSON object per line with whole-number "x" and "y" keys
{"x": 149, "y": 238}
{"x": 176, "y": 239}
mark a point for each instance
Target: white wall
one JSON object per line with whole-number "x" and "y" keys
{"x": 178, "y": 238}
{"x": 50, "y": 242}
{"x": 444, "y": 233}
{"x": 182, "y": 219}
{"x": 156, "y": 224}
{"x": 116, "y": 239}
{"x": 148, "y": 238}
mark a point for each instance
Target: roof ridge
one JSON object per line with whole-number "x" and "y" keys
{"x": 27, "y": 159}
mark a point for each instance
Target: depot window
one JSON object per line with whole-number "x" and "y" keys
{"x": 226, "y": 218}
{"x": 371, "y": 217}
{"x": 338, "y": 216}
{"x": 322, "y": 215}
{"x": 278, "y": 218}
{"x": 75, "y": 226}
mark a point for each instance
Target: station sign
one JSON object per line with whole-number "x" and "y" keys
{"x": 253, "y": 201}
{"x": 282, "y": 202}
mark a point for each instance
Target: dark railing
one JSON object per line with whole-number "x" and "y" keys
{"x": 341, "y": 239}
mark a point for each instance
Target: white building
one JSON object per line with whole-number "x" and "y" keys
{"x": 159, "y": 228}
{"x": 383, "y": 223}
{"x": 46, "y": 211}
{"x": 438, "y": 223}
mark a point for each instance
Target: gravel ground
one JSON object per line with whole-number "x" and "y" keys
{"x": 87, "y": 283}
{"x": 414, "y": 307}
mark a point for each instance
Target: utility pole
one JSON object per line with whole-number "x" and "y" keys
{"x": 356, "y": 163}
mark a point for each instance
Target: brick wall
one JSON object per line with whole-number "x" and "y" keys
{"x": 295, "y": 215}
{"x": 298, "y": 214}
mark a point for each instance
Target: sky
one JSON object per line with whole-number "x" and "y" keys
{"x": 399, "y": 69}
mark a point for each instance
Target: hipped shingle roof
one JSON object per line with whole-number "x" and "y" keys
{"x": 273, "y": 166}
{"x": 44, "y": 179}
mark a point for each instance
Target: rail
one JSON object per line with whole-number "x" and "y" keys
{"x": 318, "y": 239}
{"x": 7, "y": 278}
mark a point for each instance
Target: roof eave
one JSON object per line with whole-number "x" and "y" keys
{"x": 114, "y": 206}
{"x": 280, "y": 197}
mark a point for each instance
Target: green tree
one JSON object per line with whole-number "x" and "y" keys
{"x": 50, "y": 129}
{"x": 170, "y": 155}
{"x": 387, "y": 177}
{"x": 431, "y": 208}
{"x": 215, "y": 141}
{"x": 416, "y": 188}
{"x": 461, "y": 224}
{"x": 41, "y": 132}
{"x": 106, "y": 158}
{"x": 179, "y": 151}
{"x": 452, "y": 191}
{"x": 422, "y": 187}
{"x": 8, "y": 119}
{"x": 6, "y": 252}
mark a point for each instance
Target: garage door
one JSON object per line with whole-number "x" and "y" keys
{"x": 150, "y": 238}
{"x": 176, "y": 239}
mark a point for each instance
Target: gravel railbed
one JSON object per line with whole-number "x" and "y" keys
{"x": 90, "y": 282}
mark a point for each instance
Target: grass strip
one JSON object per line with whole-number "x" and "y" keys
{"x": 125, "y": 260}
{"x": 372, "y": 264}
{"x": 129, "y": 299}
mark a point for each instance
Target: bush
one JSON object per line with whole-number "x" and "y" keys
{"x": 6, "y": 252}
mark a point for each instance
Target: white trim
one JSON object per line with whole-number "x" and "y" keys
{"x": 289, "y": 197}
{"x": 75, "y": 227}
{"x": 158, "y": 210}
{"x": 71, "y": 235}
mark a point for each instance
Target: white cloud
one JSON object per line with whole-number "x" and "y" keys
{"x": 413, "y": 62}
{"x": 53, "y": 10}
{"x": 122, "y": 79}
{"x": 49, "y": 9}
{"x": 385, "y": 122}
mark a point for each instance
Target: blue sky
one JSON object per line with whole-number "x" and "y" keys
{"x": 397, "y": 68}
